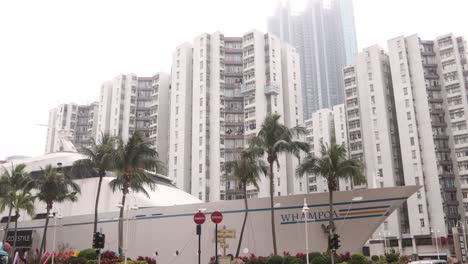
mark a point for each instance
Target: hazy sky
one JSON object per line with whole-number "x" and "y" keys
{"x": 59, "y": 51}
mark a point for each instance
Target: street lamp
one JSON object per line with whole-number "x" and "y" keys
{"x": 135, "y": 207}
{"x": 305, "y": 211}
{"x": 59, "y": 216}
{"x": 437, "y": 242}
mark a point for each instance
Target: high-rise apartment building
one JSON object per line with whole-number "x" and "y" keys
{"x": 72, "y": 122}
{"x": 228, "y": 85}
{"x": 373, "y": 131}
{"x": 407, "y": 122}
{"x": 130, "y": 103}
{"x": 324, "y": 125}
{"x": 325, "y": 38}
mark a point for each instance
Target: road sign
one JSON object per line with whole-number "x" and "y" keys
{"x": 216, "y": 217}
{"x": 199, "y": 218}
{"x": 227, "y": 233}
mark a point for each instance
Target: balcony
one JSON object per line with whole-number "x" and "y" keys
{"x": 247, "y": 88}
{"x": 272, "y": 89}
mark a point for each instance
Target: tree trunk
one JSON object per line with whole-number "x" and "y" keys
{"x": 331, "y": 224}
{"x": 96, "y": 205}
{"x": 121, "y": 221}
{"x": 245, "y": 220}
{"x": 16, "y": 230}
{"x": 44, "y": 235}
{"x": 273, "y": 230}
{"x": 8, "y": 224}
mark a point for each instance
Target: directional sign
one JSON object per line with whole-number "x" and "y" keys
{"x": 227, "y": 233}
{"x": 216, "y": 217}
{"x": 199, "y": 218}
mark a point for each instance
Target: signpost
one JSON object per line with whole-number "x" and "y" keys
{"x": 199, "y": 218}
{"x": 216, "y": 217}
{"x": 224, "y": 233}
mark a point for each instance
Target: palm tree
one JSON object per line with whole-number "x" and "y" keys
{"x": 333, "y": 164}
{"x": 273, "y": 139}
{"x": 11, "y": 182}
{"x": 247, "y": 170}
{"x": 54, "y": 186}
{"x": 132, "y": 160}
{"x": 100, "y": 159}
{"x": 23, "y": 200}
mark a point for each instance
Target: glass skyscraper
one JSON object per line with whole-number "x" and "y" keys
{"x": 325, "y": 37}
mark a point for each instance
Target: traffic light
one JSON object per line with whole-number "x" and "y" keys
{"x": 99, "y": 240}
{"x": 334, "y": 242}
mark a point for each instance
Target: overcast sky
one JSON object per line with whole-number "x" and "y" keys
{"x": 59, "y": 51}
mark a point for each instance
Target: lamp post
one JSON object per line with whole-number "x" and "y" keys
{"x": 135, "y": 207}
{"x": 437, "y": 242}
{"x": 305, "y": 211}
{"x": 59, "y": 216}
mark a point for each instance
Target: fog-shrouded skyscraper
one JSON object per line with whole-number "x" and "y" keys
{"x": 222, "y": 89}
{"x": 324, "y": 35}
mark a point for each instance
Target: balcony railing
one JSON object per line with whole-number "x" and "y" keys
{"x": 272, "y": 89}
{"x": 247, "y": 88}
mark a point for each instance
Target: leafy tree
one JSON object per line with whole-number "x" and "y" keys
{"x": 22, "y": 200}
{"x": 273, "y": 139}
{"x": 100, "y": 158}
{"x": 54, "y": 186}
{"x": 132, "y": 160}
{"x": 332, "y": 165}
{"x": 11, "y": 182}
{"x": 247, "y": 170}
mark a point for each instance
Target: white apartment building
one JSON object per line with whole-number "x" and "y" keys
{"x": 322, "y": 127}
{"x": 424, "y": 137}
{"x": 129, "y": 103}
{"x": 373, "y": 132}
{"x": 180, "y": 121}
{"x": 73, "y": 122}
{"x": 228, "y": 86}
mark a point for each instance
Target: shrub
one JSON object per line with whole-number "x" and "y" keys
{"x": 147, "y": 259}
{"x": 297, "y": 261}
{"x": 319, "y": 260}
{"x": 375, "y": 258}
{"x": 313, "y": 255}
{"x": 75, "y": 260}
{"x": 345, "y": 257}
{"x": 289, "y": 259}
{"x": 92, "y": 261}
{"x": 392, "y": 256}
{"x": 275, "y": 260}
{"x": 89, "y": 254}
{"x": 357, "y": 258}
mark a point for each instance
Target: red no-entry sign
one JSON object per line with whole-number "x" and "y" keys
{"x": 216, "y": 217}
{"x": 199, "y": 218}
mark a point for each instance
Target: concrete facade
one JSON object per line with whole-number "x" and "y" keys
{"x": 234, "y": 82}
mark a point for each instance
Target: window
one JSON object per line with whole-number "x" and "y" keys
{"x": 413, "y": 154}
{"x": 200, "y": 168}
{"x": 313, "y": 188}
{"x": 201, "y": 77}
{"x": 176, "y": 134}
{"x": 200, "y": 153}
{"x": 274, "y": 77}
{"x": 410, "y": 128}
{"x": 371, "y": 87}
{"x": 200, "y": 141}
{"x": 465, "y": 195}
{"x": 416, "y": 180}
{"x": 200, "y": 127}
{"x": 412, "y": 141}
{"x": 177, "y": 75}
{"x": 313, "y": 179}
{"x": 176, "y": 122}
{"x": 175, "y": 160}
{"x": 407, "y": 103}
{"x": 201, "y": 64}
{"x": 300, "y": 186}
{"x": 420, "y": 208}
{"x": 376, "y": 134}
{"x": 201, "y": 52}
{"x": 201, "y": 101}
{"x": 177, "y": 86}
{"x": 177, "y": 98}
{"x": 373, "y": 99}
{"x": 405, "y": 91}
{"x": 175, "y": 147}
{"x": 177, "y": 110}
{"x": 421, "y": 221}
{"x": 408, "y": 115}
{"x": 275, "y": 100}
{"x": 400, "y": 55}
{"x": 379, "y": 159}
{"x": 377, "y": 146}
{"x": 279, "y": 181}
{"x": 370, "y": 76}
{"x": 279, "y": 193}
